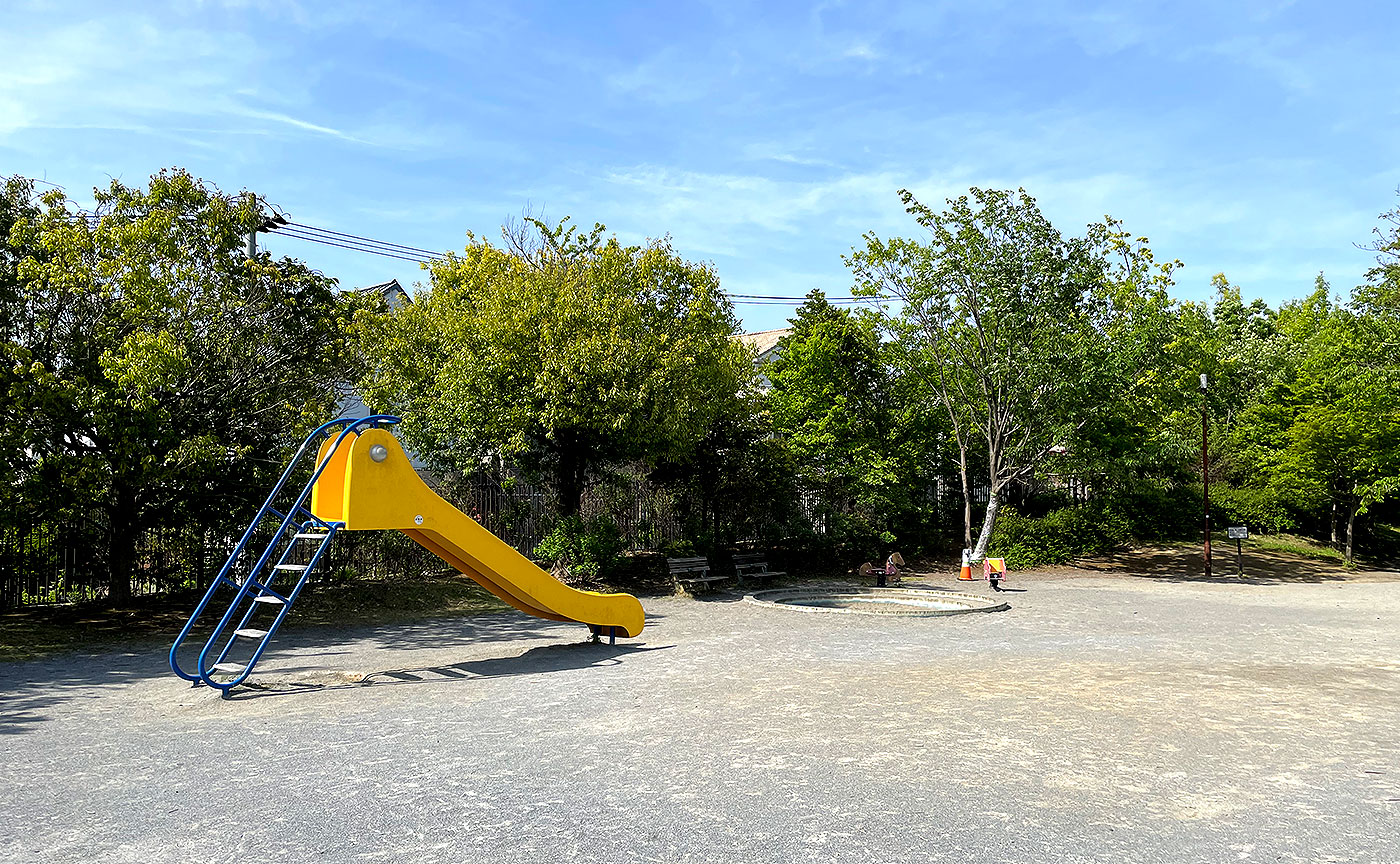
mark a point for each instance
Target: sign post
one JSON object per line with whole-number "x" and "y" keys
{"x": 1239, "y": 534}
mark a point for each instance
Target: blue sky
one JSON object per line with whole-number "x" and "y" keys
{"x": 1258, "y": 139}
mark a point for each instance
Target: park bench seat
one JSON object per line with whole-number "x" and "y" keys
{"x": 754, "y": 565}
{"x": 693, "y": 573}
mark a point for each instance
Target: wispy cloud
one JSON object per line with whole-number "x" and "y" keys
{"x": 275, "y": 117}
{"x": 1249, "y": 137}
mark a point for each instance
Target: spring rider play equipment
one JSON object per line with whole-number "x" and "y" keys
{"x": 993, "y": 570}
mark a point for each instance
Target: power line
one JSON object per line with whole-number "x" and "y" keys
{"x": 358, "y": 247}
{"x": 419, "y": 255}
{"x": 366, "y": 240}
{"x": 780, "y": 300}
{"x": 358, "y": 243}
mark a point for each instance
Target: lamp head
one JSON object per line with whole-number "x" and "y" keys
{"x": 1205, "y": 385}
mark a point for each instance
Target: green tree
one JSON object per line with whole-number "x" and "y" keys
{"x": 830, "y": 401}
{"x": 562, "y": 350}
{"x": 1026, "y": 338}
{"x": 739, "y": 480}
{"x": 1332, "y": 424}
{"x": 17, "y": 204}
{"x": 154, "y": 374}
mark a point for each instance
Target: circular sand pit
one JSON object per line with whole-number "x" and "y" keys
{"x": 877, "y": 601}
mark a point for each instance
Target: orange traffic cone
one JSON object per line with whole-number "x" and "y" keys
{"x": 965, "y": 574}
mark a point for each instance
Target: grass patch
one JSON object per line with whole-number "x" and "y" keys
{"x": 27, "y": 634}
{"x": 1291, "y": 544}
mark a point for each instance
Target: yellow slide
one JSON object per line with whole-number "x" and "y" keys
{"x": 370, "y": 485}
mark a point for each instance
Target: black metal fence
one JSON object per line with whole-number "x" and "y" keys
{"x": 44, "y": 563}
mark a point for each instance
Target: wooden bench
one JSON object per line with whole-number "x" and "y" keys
{"x": 754, "y": 565}
{"x": 693, "y": 571}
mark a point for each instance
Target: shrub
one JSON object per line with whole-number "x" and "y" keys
{"x": 585, "y": 551}
{"x": 1058, "y": 537}
{"x": 1151, "y": 511}
{"x": 1259, "y": 509}
{"x": 677, "y": 548}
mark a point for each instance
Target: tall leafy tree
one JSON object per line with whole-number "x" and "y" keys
{"x": 1320, "y": 429}
{"x": 831, "y": 402}
{"x": 738, "y": 481}
{"x": 1326, "y": 437}
{"x": 1025, "y": 337}
{"x": 154, "y": 372}
{"x": 17, "y": 204}
{"x": 561, "y": 349}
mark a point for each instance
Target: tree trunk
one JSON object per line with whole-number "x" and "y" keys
{"x": 967, "y": 498}
{"x": 983, "y": 539}
{"x": 569, "y": 481}
{"x": 1351, "y": 526}
{"x": 1334, "y": 524}
{"x": 121, "y": 547}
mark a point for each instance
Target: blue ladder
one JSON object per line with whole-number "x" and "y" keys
{"x": 272, "y": 584}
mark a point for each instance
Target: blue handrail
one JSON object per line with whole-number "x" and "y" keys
{"x": 287, "y": 520}
{"x": 351, "y": 424}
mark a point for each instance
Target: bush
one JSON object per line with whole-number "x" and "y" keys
{"x": 1259, "y": 509}
{"x": 585, "y": 551}
{"x": 1151, "y": 511}
{"x": 677, "y": 549}
{"x": 1058, "y": 537}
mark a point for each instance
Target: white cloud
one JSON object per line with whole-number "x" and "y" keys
{"x": 304, "y": 125}
{"x": 717, "y": 212}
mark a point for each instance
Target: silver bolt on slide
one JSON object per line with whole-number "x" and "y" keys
{"x": 379, "y": 452}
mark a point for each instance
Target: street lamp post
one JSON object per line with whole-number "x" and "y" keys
{"x": 1205, "y": 467}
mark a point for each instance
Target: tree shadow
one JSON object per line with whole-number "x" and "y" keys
{"x": 32, "y": 690}
{"x": 23, "y": 711}
{"x": 1261, "y": 567}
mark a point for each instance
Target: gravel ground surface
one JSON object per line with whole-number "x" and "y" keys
{"x": 1099, "y": 719}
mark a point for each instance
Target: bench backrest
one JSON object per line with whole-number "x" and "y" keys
{"x": 683, "y": 565}
{"x": 750, "y": 558}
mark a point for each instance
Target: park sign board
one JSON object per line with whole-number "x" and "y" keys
{"x": 1237, "y": 532}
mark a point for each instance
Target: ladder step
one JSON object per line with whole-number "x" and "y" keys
{"x": 290, "y": 567}
{"x": 250, "y": 633}
{"x": 312, "y": 535}
{"x": 227, "y": 667}
{"x": 268, "y": 598}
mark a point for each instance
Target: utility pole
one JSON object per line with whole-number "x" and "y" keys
{"x": 253, "y": 233}
{"x": 1205, "y": 466}
{"x": 271, "y": 223}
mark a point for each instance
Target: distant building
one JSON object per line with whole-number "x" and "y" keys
{"x": 351, "y": 405}
{"x": 765, "y": 345}
{"x": 391, "y": 291}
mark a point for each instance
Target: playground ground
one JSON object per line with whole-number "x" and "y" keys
{"x": 1102, "y": 718}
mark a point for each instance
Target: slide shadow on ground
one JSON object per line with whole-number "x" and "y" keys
{"x": 33, "y": 691}
{"x": 541, "y": 659}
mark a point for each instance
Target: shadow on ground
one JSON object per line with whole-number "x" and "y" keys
{"x": 539, "y": 660}
{"x": 32, "y": 691}
{"x": 1261, "y": 567}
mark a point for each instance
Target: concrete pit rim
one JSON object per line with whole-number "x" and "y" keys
{"x": 902, "y": 602}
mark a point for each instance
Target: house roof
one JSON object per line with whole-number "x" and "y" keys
{"x": 392, "y": 292}
{"x": 764, "y": 340}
